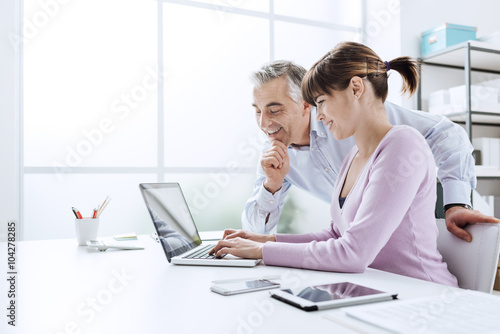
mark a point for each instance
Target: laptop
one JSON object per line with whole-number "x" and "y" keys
{"x": 177, "y": 230}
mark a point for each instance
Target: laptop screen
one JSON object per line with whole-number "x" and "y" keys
{"x": 171, "y": 217}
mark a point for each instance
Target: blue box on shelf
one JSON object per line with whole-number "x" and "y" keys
{"x": 443, "y": 36}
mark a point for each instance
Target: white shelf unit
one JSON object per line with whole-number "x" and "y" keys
{"x": 487, "y": 173}
{"x": 482, "y": 56}
{"x": 477, "y": 117}
{"x": 468, "y": 56}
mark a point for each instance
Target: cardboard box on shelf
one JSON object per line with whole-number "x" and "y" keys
{"x": 483, "y": 98}
{"x": 445, "y": 35}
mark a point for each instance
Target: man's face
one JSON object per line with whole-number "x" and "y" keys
{"x": 279, "y": 116}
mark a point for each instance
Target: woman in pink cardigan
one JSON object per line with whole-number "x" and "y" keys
{"x": 384, "y": 199}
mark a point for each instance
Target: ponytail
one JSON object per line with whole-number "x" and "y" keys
{"x": 408, "y": 69}
{"x": 348, "y": 59}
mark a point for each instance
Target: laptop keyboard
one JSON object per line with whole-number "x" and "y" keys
{"x": 202, "y": 253}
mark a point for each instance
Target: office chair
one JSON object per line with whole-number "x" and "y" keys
{"x": 474, "y": 264}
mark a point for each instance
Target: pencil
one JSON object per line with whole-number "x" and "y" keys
{"x": 103, "y": 206}
{"x": 74, "y": 211}
{"x": 77, "y": 213}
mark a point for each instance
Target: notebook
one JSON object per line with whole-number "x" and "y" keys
{"x": 177, "y": 230}
{"x": 453, "y": 311}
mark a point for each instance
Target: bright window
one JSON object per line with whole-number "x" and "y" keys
{"x": 122, "y": 92}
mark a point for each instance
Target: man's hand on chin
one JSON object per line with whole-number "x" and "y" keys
{"x": 276, "y": 164}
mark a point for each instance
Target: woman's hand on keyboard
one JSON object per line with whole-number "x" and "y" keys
{"x": 240, "y": 247}
{"x": 231, "y": 234}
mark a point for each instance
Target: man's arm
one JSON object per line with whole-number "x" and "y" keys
{"x": 263, "y": 209}
{"x": 453, "y": 156}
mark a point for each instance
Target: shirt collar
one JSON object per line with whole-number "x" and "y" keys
{"x": 317, "y": 127}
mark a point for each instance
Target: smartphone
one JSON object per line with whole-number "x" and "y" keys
{"x": 233, "y": 288}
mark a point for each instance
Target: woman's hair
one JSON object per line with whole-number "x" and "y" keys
{"x": 288, "y": 70}
{"x": 348, "y": 59}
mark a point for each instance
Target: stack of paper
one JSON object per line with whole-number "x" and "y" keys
{"x": 457, "y": 311}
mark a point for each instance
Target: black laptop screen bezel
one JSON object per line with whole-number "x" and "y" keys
{"x": 196, "y": 242}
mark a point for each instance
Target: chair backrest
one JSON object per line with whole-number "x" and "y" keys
{"x": 474, "y": 264}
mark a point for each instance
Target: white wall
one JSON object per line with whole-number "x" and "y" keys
{"x": 382, "y": 34}
{"x": 9, "y": 148}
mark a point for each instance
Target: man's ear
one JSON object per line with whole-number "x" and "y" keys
{"x": 358, "y": 86}
{"x": 306, "y": 107}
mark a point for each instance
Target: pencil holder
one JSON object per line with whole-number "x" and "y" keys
{"x": 86, "y": 229}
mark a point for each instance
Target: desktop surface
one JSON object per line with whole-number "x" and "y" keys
{"x": 65, "y": 288}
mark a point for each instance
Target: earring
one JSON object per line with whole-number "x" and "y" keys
{"x": 355, "y": 96}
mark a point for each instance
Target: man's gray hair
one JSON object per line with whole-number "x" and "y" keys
{"x": 292, "y": 72}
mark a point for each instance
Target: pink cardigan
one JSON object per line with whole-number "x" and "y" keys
{"x": 387, "y": 221}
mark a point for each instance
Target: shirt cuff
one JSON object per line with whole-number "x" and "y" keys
{"x": 268, "y": 202}
{"x": 456, "y": 192}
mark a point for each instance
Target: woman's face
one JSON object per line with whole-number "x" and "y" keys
{"x": 336, "y": 111}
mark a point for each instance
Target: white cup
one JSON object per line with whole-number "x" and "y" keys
{"x": 86, "y": 229}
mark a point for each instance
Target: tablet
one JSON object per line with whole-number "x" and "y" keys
{"x": 320, "y": 297}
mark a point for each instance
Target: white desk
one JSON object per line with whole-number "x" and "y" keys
{"x": 64, "y": 288}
